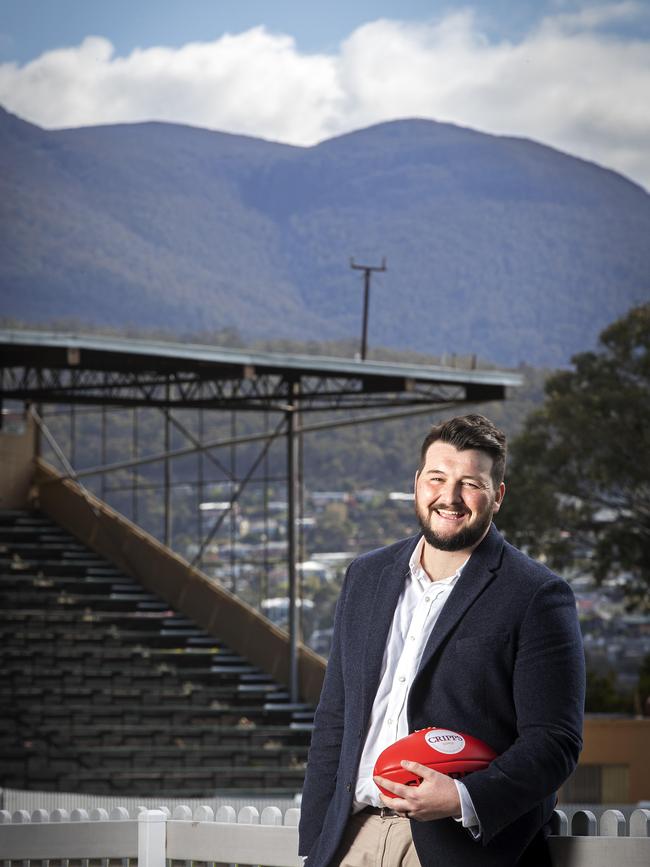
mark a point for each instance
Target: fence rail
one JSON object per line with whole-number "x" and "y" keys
{"x": 156, "y": 837}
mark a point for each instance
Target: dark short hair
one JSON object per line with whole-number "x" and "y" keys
{"x": 472, "y": 431}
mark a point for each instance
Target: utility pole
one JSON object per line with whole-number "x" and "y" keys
{"x": 367, "y": 270}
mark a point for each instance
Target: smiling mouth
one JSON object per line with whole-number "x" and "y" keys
{"x": 449, "y": 514}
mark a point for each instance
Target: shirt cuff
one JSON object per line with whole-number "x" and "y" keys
{"x": 468, "y": 818}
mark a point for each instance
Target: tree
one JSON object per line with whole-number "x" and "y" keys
{"x": 603, "y": 696}
{"x": 644, "y": 686}
{"x": 579, "y": 480}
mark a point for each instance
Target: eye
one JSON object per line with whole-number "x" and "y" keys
{"x": 468, "y": 484}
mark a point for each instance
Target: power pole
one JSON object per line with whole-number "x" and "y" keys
{"x": 367, "y": 270}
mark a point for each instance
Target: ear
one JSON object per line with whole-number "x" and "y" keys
{"x": 498, "y": 498}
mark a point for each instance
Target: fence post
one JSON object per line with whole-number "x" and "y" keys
{"x": 640, "y": 823}
{"x": 152, "y": 838}
{"x": 612, "y": 824}
{"x": 559, "y": 823}
{"x": 584, "y": 824}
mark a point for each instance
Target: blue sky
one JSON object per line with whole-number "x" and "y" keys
{"x": 574, "y": 74}
{"x": 30, "y": 27}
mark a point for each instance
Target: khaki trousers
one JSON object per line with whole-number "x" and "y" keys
{"x": 373, "y": 841}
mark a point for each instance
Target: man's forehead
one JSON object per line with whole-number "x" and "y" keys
{"x": 441, "y": 455}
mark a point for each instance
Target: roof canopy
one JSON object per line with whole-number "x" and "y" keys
{"x": 42, "y": 367}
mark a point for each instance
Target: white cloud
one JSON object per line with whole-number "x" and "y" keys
{"x": 253, "y": 82}
{"x": 571, "y": 82}
{"x": 598, "y": 15}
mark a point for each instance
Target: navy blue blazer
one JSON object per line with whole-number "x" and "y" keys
{"x": 504, "y": 662}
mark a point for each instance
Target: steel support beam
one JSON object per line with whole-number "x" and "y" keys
{"x": 292, "y": 546}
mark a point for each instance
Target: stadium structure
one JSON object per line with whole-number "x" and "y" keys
{"x": 132, "y": 664}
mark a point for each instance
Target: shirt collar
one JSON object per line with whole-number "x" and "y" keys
{"x": 418, "y": 574}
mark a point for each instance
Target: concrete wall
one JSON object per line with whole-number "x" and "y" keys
{"x": 17, "y": 450}
{"x": 620, "y": 742}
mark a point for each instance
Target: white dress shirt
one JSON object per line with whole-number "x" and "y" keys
{"x": 417, "y": 611}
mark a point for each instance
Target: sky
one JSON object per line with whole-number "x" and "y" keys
{"x": 573, "y": 74}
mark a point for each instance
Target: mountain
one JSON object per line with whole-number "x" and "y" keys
{"x": 496, "y": 246}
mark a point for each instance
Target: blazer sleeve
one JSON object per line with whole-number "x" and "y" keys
{"x": 326, "y": 740}
{"x": 548, "y": 694}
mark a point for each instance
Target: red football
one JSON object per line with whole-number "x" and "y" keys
{"x": 451, "y": 753}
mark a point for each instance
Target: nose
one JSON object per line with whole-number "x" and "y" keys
{"x": 451, "y": 492}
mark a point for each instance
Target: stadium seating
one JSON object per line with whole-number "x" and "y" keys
{"x": 105, "y": 689}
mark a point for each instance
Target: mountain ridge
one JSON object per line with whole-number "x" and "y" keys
{"x": 498, "y": 246}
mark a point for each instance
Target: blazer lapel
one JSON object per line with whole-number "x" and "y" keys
{"x": 476, "y": 575}
{"x": 388, "y": 587}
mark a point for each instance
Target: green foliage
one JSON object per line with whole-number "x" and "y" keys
{"x": 603, "y": 696}
{"x": 333, "y": 530}
{"x": 644, "y": 686}
{"x": 579, "y": 479}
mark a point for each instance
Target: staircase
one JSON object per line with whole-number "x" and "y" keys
{"x": 107, "y": 690}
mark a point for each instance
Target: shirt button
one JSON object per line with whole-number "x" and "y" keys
{"x": 412, "y": 637}
{"x": 389, "y": 722}
{"x": 427, "y": 599}
{"x": 401, "y": 679}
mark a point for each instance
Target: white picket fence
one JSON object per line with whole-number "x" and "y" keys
{"x": 157, "y": 837}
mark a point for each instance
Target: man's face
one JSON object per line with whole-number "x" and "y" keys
{"x": 455, "y": 497}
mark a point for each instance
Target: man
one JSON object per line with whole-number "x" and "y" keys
{"x": 458, "y": 629}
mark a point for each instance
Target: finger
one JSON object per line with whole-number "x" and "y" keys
{"x": 421, "y": 770}
{"x": 398, "y": 789}
{"x": 397, "y": 804}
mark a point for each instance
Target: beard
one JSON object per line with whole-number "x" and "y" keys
{"x": 468, "y": 537}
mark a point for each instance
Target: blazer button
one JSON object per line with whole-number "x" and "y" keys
{"x": 349, "y": 787}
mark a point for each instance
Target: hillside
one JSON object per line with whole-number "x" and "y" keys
{"x": 495, "y": 246}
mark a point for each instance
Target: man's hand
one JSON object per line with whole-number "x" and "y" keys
{"x": 435, "y": 798}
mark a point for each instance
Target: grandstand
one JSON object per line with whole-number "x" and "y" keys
{"x": 108, "y": 690}
{"x": 126, "y": 670}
